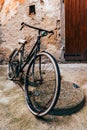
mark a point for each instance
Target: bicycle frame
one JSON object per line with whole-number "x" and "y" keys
{"x": 33, "y": 52}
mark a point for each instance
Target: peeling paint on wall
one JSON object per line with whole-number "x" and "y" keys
{"x": 9, "y": 9}
{"x": 21, "y": 1}
{"x": 1, "y": 4}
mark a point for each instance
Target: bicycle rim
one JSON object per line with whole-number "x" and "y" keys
{"x": 42, "y": 84}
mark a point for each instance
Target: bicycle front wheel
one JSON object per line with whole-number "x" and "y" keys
{"x": 42, "y": 84}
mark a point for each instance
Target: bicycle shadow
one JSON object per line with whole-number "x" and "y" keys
{"x": 69, "y": 109}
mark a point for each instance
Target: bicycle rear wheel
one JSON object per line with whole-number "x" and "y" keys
{"x": 42, "y": 84}
{"x": 13, "y": 65}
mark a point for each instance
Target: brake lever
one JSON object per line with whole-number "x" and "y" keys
{"x": 52, "y": 33}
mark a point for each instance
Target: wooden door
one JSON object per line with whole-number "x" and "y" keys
{"x": 83, "y": 29}
{"x": 76, "y": 29}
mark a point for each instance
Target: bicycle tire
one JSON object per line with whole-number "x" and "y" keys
{"x": 12, "y": 64}
{"x": 41, "y": 99}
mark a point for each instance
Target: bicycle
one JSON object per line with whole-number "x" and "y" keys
{"x": 42, "y": 79}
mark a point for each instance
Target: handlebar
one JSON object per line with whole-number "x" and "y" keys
{"x": 39, "y": 29}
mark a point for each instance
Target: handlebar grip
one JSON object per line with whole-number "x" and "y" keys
{"x": 22, "y": 26}
{"x": 22, "y": 23}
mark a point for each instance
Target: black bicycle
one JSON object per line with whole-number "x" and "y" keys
{"x": 42, "y": 80}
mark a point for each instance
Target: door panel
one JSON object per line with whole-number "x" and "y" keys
{"x": 76, "y": 29}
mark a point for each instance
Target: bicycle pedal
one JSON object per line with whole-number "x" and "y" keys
{"x": 15, "y": 80}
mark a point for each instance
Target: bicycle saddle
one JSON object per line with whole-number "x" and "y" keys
{"x": 22, "y": 41}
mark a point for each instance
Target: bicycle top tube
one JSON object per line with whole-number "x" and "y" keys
{"x": 39, "y": 29}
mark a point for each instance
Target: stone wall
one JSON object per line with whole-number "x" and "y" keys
{"x": 47, "y": 15}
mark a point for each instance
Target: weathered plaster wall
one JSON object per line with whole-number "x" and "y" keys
{"x": 9, "y": 9}
{"x": 44, "y": 8}
{"x": 47, "y": 16}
